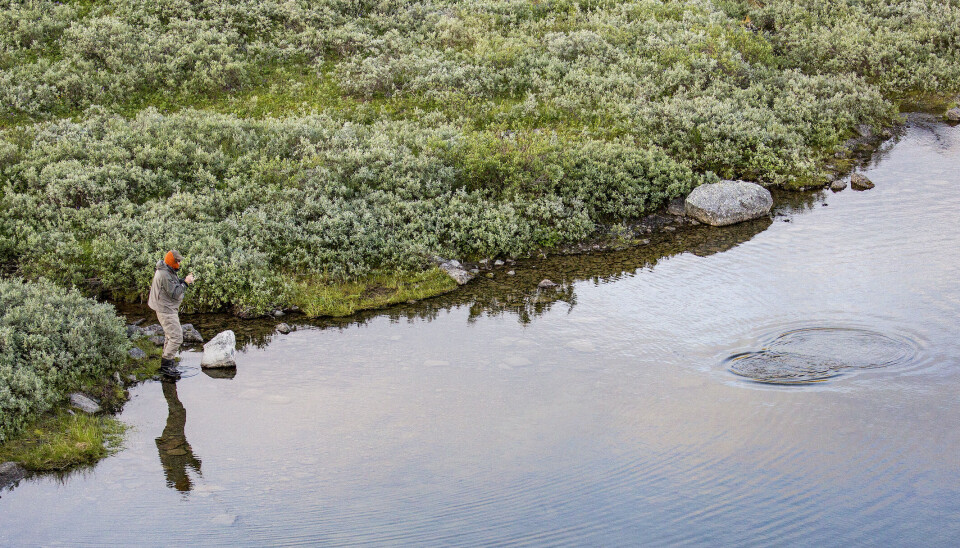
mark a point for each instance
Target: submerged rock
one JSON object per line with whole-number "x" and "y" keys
{"x": 190, "y": 333}
{"x": 458, "y": 274}
{"x": 11, "y": 473}
{"x": 84, "y": 403}
{"x": 953, "y": 115}
{"x": 728, "y": 202}
{"x": 137, "y": 354}
{"x": 219, "y": 352}
{"x": 860, "y": 182}
{"x": 838, "y": 185}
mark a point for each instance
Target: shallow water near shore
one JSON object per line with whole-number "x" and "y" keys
{"x": 616, "y": 409}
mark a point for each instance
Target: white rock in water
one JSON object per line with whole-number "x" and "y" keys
{"x": 84, "y": 403}
{"x": 728, "y": 202}
{"x": 219, "y": 351}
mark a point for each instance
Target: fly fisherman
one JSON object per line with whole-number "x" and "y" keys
{"x": 166, "y": 294}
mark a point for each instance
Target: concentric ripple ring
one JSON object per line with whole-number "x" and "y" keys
{"x": 815, "y": 354}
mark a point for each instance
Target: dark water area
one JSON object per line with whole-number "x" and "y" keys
{"x": 787, "y": 381}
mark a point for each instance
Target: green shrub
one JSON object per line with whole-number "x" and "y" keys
{"x": 339, "y": 139}
{"x": 50, "y": 339}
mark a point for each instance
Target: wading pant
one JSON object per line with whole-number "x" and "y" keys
{"x": 172, "y": 334}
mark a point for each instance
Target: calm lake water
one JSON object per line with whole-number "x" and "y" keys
{"x": 613, "y": 411}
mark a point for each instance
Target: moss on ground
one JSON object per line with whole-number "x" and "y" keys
{"x": 315, "y": 298}
{"x": 61, "y": 440}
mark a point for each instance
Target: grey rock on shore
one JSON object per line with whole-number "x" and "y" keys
{"x": 190, "y": 333}
{"x": 678, "y": 207}
{"x": 953, "y": 115}
{"x": 11, "y": 473}
{"x": 728, "y": 202}
{"x": 137, "y": 354}
{"x": 219, "y": 352}
{"x": 838, "y": 185}
{"x": 860, "y": 182}
{"x": 84, "y": 403}
{"x": 284, "y": 328}
{"x": 454, "y": 270}
{"x": 545, "y": 283}
{"x": 151, "y": 330}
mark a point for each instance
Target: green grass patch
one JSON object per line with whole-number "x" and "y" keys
{"x": 316, "y": 298}
{"x": 59, "y": 440}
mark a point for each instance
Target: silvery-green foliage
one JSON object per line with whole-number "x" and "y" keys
{"x": 50, "y": 339}
{"x": 904, "y": 46}
{"x": 255, "y": 205}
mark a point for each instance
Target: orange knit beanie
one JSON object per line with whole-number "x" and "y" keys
{"x": 172, "y": 259}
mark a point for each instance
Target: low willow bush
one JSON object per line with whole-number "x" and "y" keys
{"x": 286, "y": 146}
{"x": 50, "y": 339}
{"x": 257, "y": 206}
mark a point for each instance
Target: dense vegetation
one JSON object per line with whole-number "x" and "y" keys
{"x": 51, "y": 339}
{"x": 284, "y": 146}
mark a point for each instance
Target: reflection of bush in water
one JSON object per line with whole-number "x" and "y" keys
{"x": 507, "y": 294}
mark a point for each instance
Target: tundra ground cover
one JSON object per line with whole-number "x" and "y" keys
{"x": 287, "y": 147}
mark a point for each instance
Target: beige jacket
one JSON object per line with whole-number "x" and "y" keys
{"x": 166, "y": 292}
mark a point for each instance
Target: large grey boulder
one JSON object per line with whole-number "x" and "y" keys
{"x": 728, "y": 202}
{"x": 84, "y": 403}
{"x": 458, "y": 274}
{"x": 219, "y": 351}
{"x": 11, "y": 473}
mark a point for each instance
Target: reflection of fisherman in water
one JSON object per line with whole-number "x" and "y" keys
{"x": 175, "y": 453}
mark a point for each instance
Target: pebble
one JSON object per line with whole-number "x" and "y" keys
{"x": 498, "y": 262}
{"x": 545, "y": 283}
{"x": 284, "y": 328}
{"x": 511, "y": 273}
